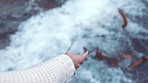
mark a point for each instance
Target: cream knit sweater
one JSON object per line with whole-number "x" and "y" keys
{"x": 57, "y": 70}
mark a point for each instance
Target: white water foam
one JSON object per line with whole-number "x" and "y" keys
{"x": 70, "y": 28}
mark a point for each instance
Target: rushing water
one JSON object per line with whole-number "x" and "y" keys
{"x": 78, "y": 24}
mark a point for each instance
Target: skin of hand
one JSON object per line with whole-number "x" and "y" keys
{"x": 77, "y": 59}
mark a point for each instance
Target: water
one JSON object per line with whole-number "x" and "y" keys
{"x": 78, "y": 24}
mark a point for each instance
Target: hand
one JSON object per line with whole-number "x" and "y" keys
{"x": 77, "y": 59}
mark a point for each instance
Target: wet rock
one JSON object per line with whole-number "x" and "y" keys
{"x": 10, "y": 17}
{"x": 13, "y": 12}
{"x": 47, "y": 4}
{"x": 8, "y": 7}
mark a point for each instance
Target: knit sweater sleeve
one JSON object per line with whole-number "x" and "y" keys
{"x": 57, "y": 70}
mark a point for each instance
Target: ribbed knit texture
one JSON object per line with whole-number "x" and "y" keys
{"x": 57, "y": 70}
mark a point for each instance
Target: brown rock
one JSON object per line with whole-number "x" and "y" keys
{"x": 47, "y": 4}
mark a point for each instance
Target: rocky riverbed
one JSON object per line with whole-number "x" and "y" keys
{"x": 118, "y": 47}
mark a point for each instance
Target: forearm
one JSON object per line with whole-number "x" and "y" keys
{"x": 56, "y": 70}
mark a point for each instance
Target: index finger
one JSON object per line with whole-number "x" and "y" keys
{"x": 84, "y": 55}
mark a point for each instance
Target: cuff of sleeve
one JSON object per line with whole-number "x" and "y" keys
{"x": 69, "y": 65}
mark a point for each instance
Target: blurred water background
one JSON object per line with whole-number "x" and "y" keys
{"x": 32, "y": 31}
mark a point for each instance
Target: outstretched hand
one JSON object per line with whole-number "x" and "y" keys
{"x": 77, "y": 59}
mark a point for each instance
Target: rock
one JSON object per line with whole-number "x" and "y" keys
{"x": 13, "y": 12}
{"x": 10, "y": 18}
{"x": 47, "y": 4}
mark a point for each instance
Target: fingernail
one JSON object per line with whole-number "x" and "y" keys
{"x": 86, "y": 52}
